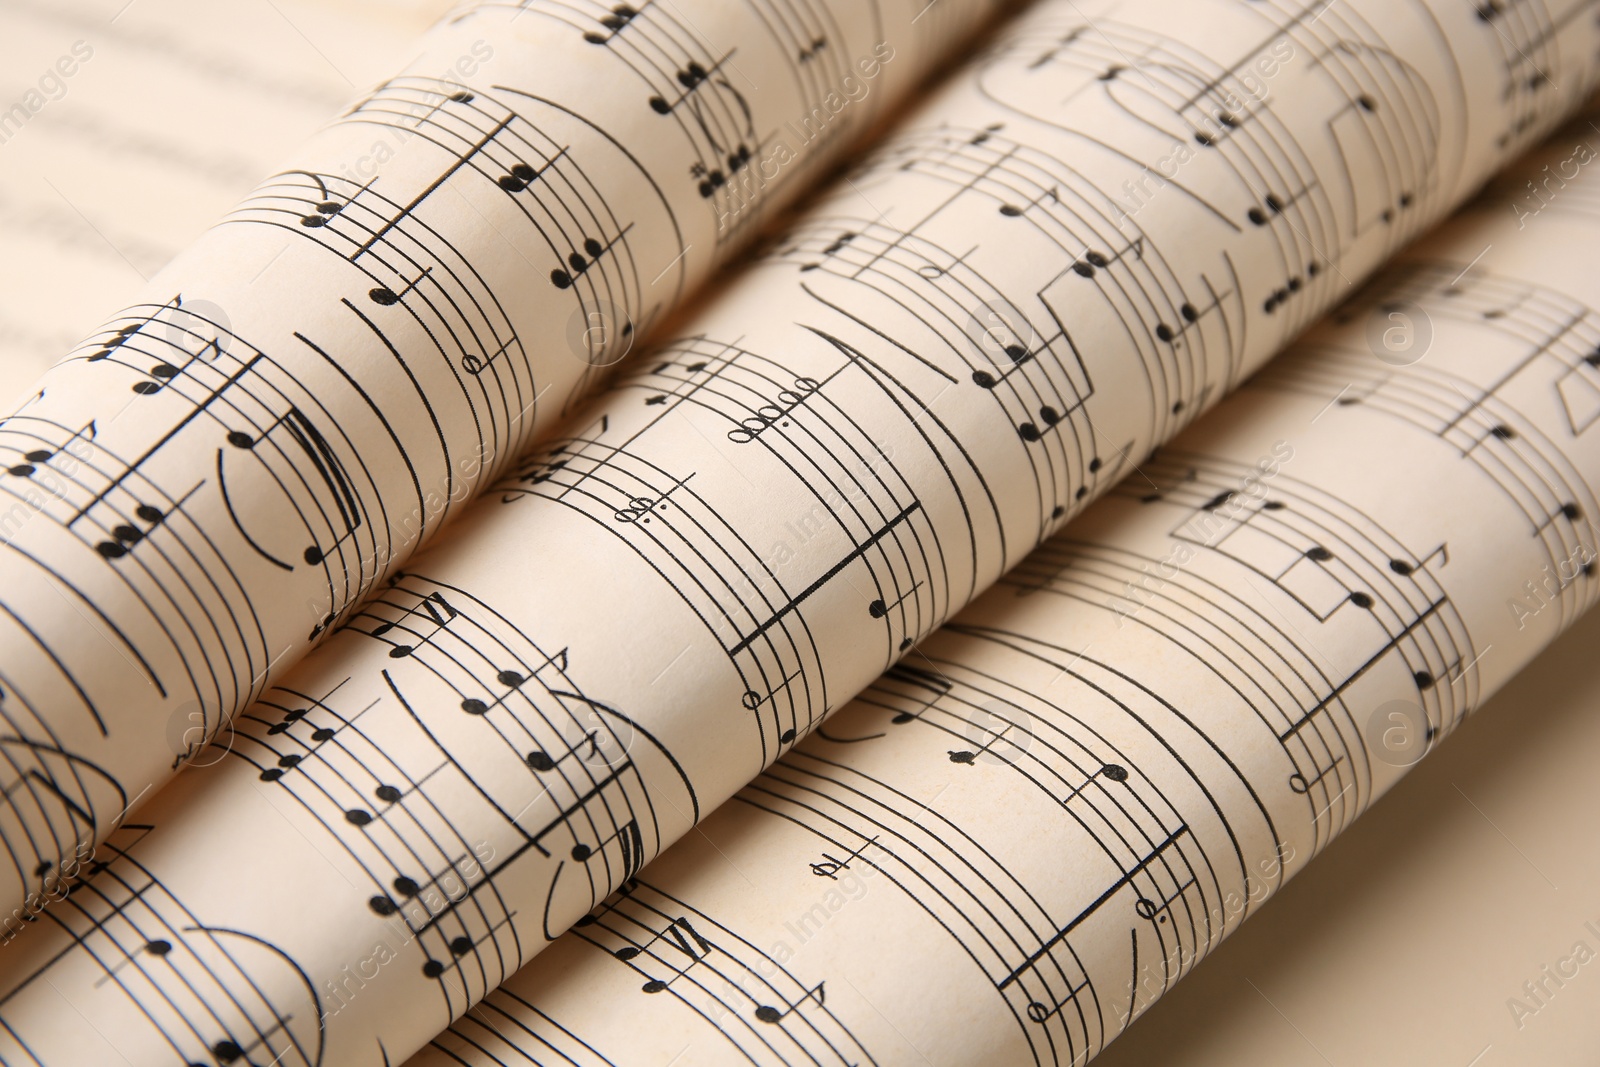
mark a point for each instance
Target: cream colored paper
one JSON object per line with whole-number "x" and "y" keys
{"x": 218, "y": 477}
{"x": 748, "y": 528}
{"x": 1012, "y": 844}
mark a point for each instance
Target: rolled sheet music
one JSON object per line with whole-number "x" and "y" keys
{"x": 1015, "y": 841}
{"x": 1101, "y": 226}
{"x": 215, "y": 480}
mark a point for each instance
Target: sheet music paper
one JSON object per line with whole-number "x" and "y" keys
{"x": 610, "y": 648}
{"x": 1014, "y": 842}
{"x": 1362, "y": 960}
{"x": 217, "y": 477}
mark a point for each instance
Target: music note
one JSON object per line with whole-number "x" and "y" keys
{"x": 1299, "y": 783}
{"x": 1191, "y": 317}
{"x": 1019, "y": 356}
{"x": 878, "y": 608}
{"x": 126, "y": 334}
{"x": 969, "y": 757}
{"x": 1275, "y": 206}
{"x": 1111, "y": 772}
{"x": 386, "y": 297}
{"x": 126, "y": 535}
{"x": 1049, "y": 419}
{"x": 522, "y": 175}
{"x": 326, "y": 208}
{"x": 1094, "y": 260}
{"x": 680, "y": 935}
{"x": 437, "y": 610}
{"x": 1012, "y": 211}
{"x": 691, "y": 76}
{"x": 628, "y": 837}
{"x": 579, "y": 266}
{"x": 326, "y": 469}
{"x": 936, "y": 685}
{"x": 768, "y": 1014}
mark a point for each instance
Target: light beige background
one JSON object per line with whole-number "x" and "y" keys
{"x": 183, "y": 107}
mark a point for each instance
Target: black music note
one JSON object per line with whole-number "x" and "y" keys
{"x": 522, "y": 175}
{"x": 1049, "y": 419}
{"x": 878, "y": 608}
{"x": 563, "y": 279}
{"x": 1275, "y": 206}
{"x": 128, "y": 333}
{"x": 387, "y": 297}
{"x": 1569, "y": 511}
{"x": 832, "y": 572}
{"x": 969, "y": 757}
{"x": 769, "y": 1014}
{"x": 327, "y": 208}
{"x": 120, "y": 338}
{"x": 459, "y": 946}
{"x": 936, "y": 684}
{"x": 542, "y": 761}
{"x": 1018, "y": 354}
{"x": 438, "y": 611}
{"x": 691, "y": 77}
{"x": 616, "y": 22}
{"x": 1113, "y": 772}
{"x": 126, "y": 535}
{"x": 627, "y": 836}
{"x": 1093, "y": 260}
{"x": 1191, "y": 316}
{"x": 679, "y": 934}
{"x": 35, "y": 458}
{"x": 1012, "y": 211}
{"x": 328, "y": 468}
{"x": 511, "y": 679}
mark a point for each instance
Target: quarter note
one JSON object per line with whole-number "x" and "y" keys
{"x": 969, "y": 757}
{"x": 1012, "y": 211}
{"x": 1018, "y": 355}
{"x": 691, "y": 77}
{"x": 386, "y": 297}
{"x": 879, "y": 608}
{"x": 579, "y": 265}
{"x": 434, "y": 607}
{"x": 1274, "y": 205}
{"x": 768, "y": 1014}
{"x": 1049, "y": 419}
{"x": 512, "y": 680}
{"x": 522, "y": 175}
{"x": 1094, "y": 260}
{"x": 1111, "y": 772}
{"x": 615, "y": 22}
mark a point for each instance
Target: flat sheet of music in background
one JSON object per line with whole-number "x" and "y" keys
{"x": 433, "y": 629}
